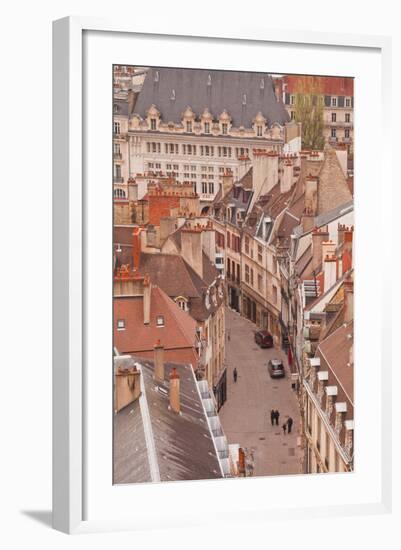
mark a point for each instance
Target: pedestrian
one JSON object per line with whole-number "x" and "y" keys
{"x": 272, "y": 416}
{"x": 235, "y": 374}
{"x": 284, "y": 428}
{"x": 289, "y": 424}
{"x": 276, "y": 416}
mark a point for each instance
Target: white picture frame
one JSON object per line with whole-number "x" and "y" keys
{"x": 70, "y": 338}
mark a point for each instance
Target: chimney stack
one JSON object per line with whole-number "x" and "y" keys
{"x": 347, "y": 248}
{"x": 287, "y": 176}
{"x": 265, "y": 171}
{"x": 319, "y": 236}
{"x": 330, "y": 272}
{"x": 147, "y": 289}
{"x": 191, "y": 248}
{"x": 348, "y": 299}
{"x": 136, "y": 248}
{"x": 159, "y": 361}
{"x": 174, "y": 391}
{"x": 227, "y": 181}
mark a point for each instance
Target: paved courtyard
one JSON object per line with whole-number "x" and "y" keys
{"x": 245, "y": 416}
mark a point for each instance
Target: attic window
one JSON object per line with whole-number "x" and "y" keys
{"x": 160, "y": 320}
{"x": 120, "y": 324}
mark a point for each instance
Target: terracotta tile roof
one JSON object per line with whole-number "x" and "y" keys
{"x": 178, "y": 332}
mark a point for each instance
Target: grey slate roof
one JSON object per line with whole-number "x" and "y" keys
{"x": 226, "y": 91}
{"x": 183, "y": 443}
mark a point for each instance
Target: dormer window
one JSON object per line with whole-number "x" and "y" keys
{"x": 189, "y": 126}
{"x": 224, "y": 128}
{"x": 160, "y": 320}
{"x": 182, "y": 303}
{"x": 120, "y": 324}
{"x": 207, "y": 128}
{"x": 153, "y": 124}
{"x": 259, "y": 130}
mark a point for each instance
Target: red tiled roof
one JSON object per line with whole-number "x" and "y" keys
{"x": 178, "y": 332}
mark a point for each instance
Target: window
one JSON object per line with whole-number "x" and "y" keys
{"x": 150, "y": 165}
{"x": 348, "y": 102}
{"x": 186, "y": 167}
{"x": 158, "y": 166}
{"x": 160, "y": 320}
{"x": 246, "y": 273}
{"x": 186, "y": 175}
{"x": 189, "y": 126}
{"x": 292, "y": 99}
{"x": 333, "y": 133}
{"x": 334, "y": 102}
{"x": 116, "y": 148}
{"x": 207, "y": 128}
{"x": 319, "y": 433}
{"x": 228, "y": 239}
{"x": 346, "y": 133}
{"x": 259, "y": 131}
{"x": 260, "y": 281}
{"x": 246, "y": 245}
{"x": 153, "y": 124}
{"x": 175, "y": 167}
{"x": 204, "y": 168}
{"x": 211, "y": 187}
{"x": 119, "y": 194}
{"x": 251, "y": 276}
{"x": 333, "y": 117}
{"x": 347, "y": 117}
{"x": 224, "y": 128}
{"x": 238, "y": 273}
{"x": 211, "y": 176}
{"x": 120, "y": 324}
{"x": 168, "y": 166}
{"x": 292, "y": 115}
{"x": 117, "y": 171}
{"x": 274, "y": 291}
{"x": 193, "y": 168}
{"x": 182, "y": 303}
{"x": 204, "y": 187}
{"x": 327, "y": 452}
{"x": 274, "y": 265}
{"x": 117, "y": 127}
{"x": 259, "y": 253}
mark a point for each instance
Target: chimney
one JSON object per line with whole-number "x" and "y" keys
{"x": 227, "y": 181}
{"x": 191, "y": 248}
{"x": 136, "y": 248}
{"x": 348, "y": 299}
{"x": 209, "y": 241}
{"x": 287, "y": 176}
{"x": 151, "y": 236}
{"x": 311, "y": 185}
{"x": 159, "y": 361}
{"x": 347, "y": 248}
{"x": 319, "y": 236}
{"x": 174, "y": 391}
{"x": 147, "y": 289}
{"x": 330, "y": 272}
{"x": 265, "y": 171}
{"x": 167, "y": 227}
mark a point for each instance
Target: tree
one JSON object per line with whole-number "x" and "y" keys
{"x": 309, "y": 112}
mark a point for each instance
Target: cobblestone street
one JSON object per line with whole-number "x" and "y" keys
{"x": 246, "y": 414}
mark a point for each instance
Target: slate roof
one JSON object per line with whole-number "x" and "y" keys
{"x": 226, "y": 91}
{"x": 183, "y": 444}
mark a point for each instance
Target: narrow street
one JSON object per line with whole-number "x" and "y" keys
{"x": 246, "y": 414}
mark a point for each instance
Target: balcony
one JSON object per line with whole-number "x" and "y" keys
{"x": 118, "y": 179}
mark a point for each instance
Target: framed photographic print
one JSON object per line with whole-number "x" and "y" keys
{"x": 217, "y": 323}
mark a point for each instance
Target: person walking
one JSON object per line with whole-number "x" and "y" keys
{"x": 276, "y": 416}
{"x": 284, "y": 428}
{"x": 235, "y": 374}
{"x": 289, "y": 424}
{"x": 272, "y": 416}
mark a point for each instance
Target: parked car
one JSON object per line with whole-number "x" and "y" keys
{"x": 264, "y": 339}
{"x": 276, "y": 368}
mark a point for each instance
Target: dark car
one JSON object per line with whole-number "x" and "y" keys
{"x": 264, "y": 339}
{"x": 276, "y": 368}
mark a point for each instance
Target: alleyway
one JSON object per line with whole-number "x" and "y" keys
{"x": 246, "y": 414}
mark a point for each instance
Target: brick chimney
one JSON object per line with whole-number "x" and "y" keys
{"x": 136, "y": 248}
{"x": 348, "y": 299}
{"x": 347, "y": 248}
{"x": 287, "y": 176}
{"x": 147, "y": 290}
{"x": 174, "y": 391}
{"x": 191, "y": 248}
{"x": 329, "y": 271}
{"x": 159, "y": 361}
{"x": 319, "y": 236}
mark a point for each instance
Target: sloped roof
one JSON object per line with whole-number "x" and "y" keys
{"x": 178, "y": 331}
{"x": 225, "y": 91}
{"x": 182, "y": 443}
